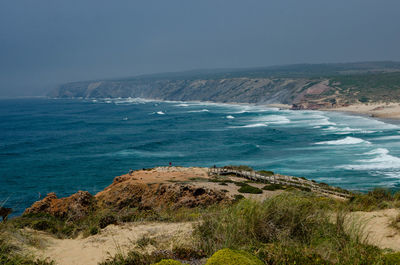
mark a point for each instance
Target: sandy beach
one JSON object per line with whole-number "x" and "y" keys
{"x": 376, "y": 110}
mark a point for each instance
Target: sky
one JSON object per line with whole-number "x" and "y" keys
{"x": 45, "y": 43}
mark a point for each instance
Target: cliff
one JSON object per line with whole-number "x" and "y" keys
{"x": 305, "y": 86}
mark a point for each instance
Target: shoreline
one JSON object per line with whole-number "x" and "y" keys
{"x": 389, "y": 112}
{"x": 385, "y": 112}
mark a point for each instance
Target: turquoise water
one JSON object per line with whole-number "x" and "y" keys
{"x": 68, "y": 145}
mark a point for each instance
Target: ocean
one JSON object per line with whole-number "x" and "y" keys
{"x": 66, "y": 145}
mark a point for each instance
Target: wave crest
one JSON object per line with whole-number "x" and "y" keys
{"x": 345, "y": 141}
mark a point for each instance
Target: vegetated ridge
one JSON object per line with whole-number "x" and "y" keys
{"x": 305, "y": 86}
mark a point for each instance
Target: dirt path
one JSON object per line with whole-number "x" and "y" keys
{"x": 113, "y": 239}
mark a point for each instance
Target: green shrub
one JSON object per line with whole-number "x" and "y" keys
{"x": 187, "y": 253}
{"x": 381, "y": 194}
{"x": 378, "y": 198}
{"x": 391, "y": 258}
{"x": 43, "y": 225}
{"x": 107, "y": 220}
{"x": 396, "y": 196}
{"x": 277, "y": 254}
{"x": 241, "y": 167}
{"x": 233, "y": 257}
{"x": 43, "y": 222}
{"x": 237, "y": 197}
{"x": 94, "y": 230}
{"x": 273, "y": 187}
{"x": 250, "y": 189}
{"x": 265, "y": 172}
{"x": 241, "y": 184}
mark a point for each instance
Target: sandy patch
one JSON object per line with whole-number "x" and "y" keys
{"x": 281, "y": 106}
{"x": 111, "y": 240}
{"x": 168, "y": 174}
{"x": 377, "y": 228}
{"x": 378, "y": 110}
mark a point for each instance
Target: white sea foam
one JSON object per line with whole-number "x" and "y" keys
{"x": 230, "y": 117}
{"x": 392, "y": 137}
{"x": 254, "y": 125}
{"x": 182, "y": 105}
{"x": 160, "y": 113}
{"x": 378, "y": 151}
{"x": 392, "y": 175}
{"x": 254, "y": 109}
{"x": 346, "y": 130}
{"x": 125, "y": 118}
{"x": 382, "y": 160}
{"x": 345, "y": 141}
{"x": 309, "y": 118}
{"x": 202, "y": 110}
{"x": 272, "y": 119}
{"x": 130, "y": 100}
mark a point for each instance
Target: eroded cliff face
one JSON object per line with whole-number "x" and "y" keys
{"x": 241, "y": 90}
{"x": 145, "y": 190}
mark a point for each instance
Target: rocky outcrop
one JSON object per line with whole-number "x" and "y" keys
{"x": 73, "y": 207}
{"x": 125, "y": 191}
{"x": 128, "y": 192}
{"x": 157, "y": 196}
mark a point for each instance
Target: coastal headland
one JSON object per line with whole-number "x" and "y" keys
{"x": 370, "y": 88}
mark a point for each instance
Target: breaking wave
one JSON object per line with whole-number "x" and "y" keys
{"x": 381, "y": 161}
{"x": 345, "y": 141}
{"x": 272, "y": 119}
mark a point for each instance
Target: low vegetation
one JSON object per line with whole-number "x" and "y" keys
{"x": 99, "y": 219}
{"x": 273, "y": 187}
{"x": 396, "y": 222}
{"x": 288, "y": 229}
{"x": 233, "y": 257}
{"x": 11, "y": 254}
{"x": 250, "y": 189}
{"x": 377, "y": 199}
{"x": 265, "y": 172}
{"x": 293, "y": 227}
{"x": 364, "y": 88}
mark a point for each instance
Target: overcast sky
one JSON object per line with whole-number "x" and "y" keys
{"x": 44, "y": 43}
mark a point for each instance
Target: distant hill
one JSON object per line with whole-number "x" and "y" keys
{"x": 310, "y": 86}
